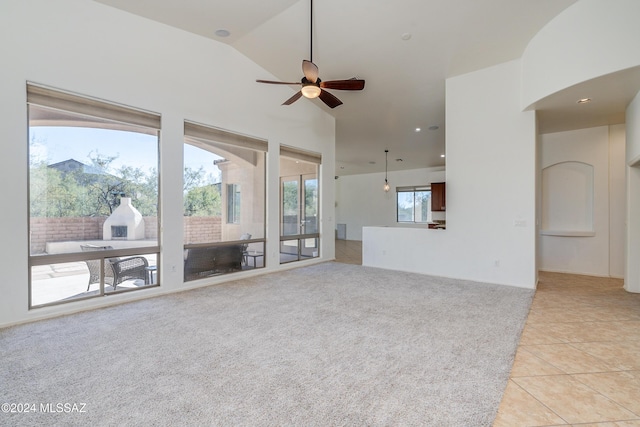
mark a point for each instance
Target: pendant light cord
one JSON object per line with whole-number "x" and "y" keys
{"x": 386, "y": 167}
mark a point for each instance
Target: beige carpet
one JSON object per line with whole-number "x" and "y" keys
{"x": 325, "y": 345}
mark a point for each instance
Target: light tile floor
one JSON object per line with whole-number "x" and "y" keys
{"x": 349, "y": 251}
{"x": 578, "y": 362}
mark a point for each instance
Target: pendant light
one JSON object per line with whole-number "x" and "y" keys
{"x": 386, "y": 182}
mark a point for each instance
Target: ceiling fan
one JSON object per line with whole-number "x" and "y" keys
{"x": 312, "y": 86}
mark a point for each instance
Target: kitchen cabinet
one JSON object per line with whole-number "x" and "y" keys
{"x": 438, "y": 197}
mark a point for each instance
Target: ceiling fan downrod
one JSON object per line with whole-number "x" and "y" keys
{"x": 311, "y": 33}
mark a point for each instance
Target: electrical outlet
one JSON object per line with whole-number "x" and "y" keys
{"x": 496, "y": 263}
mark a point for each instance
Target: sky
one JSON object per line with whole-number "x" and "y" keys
{"x": 54, "y": 144}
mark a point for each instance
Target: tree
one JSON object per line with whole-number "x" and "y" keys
{"x": 201, "y": 195}
{"x": 94, "y": 190}
{"x": 141, "y": 187}
{"x": 203, "y": 201}
{"x": 108, "y": 186}
{"x": 193, "y": 178}
{"x": 311, "y": 197}
{"x": 53, "y": 193}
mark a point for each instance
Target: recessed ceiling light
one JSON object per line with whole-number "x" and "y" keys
{"x": 434, "y": 127}
{"x": 223, "y": 33}
{"x": 583, "y": 100}
{"x": 418, "y": 129}
{"x": 441, "y": 155}
{"x": 406, "y": 36}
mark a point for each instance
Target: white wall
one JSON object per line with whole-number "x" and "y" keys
{"x": 92, "y": 49}
{"x": 491, "y": 155}
{"x": 617, "y": 201}
{"x": 632, "y": 267}
{"x": 589, "y": 39}
{"x": 361, "y": 201}
{"x": 491, "y": 182}
{"x": 599, "y": 254}
{"x": 633, "y": 131}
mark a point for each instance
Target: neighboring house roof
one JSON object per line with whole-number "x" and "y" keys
{"x": 72, "y": 165}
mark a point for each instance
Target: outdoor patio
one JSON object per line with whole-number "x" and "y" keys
{"x": 65, "y": 281}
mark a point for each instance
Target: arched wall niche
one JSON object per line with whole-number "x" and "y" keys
{"x": 567, "y": 199}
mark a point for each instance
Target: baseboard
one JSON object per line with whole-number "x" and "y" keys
{"x": 606, "y": 276}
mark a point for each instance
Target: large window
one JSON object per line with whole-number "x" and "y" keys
{"x": 224, "y": 201}
{"x": 414, "y": 204}
{"x": 93, "y": 197}
{"x": 299, "y": 205}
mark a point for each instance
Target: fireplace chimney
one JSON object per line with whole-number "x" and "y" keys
{"x": 125, "y": 223}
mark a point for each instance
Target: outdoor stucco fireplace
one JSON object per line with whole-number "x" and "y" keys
{"x": 125, "y": 223}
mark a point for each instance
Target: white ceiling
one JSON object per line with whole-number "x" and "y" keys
{"x": 405, "y": 80}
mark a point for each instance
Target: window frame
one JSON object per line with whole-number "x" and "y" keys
{"x": 413, "y": 190}
{"x": 91, "y": 111}
{"x": 204, "y": 137}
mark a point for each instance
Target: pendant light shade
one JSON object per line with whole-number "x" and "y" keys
{"x": 386, "y": 181}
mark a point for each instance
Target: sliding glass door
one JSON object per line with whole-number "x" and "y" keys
{"x": 299, "y": 232}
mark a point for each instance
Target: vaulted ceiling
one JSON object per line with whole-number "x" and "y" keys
{"x": 404, "y": 49}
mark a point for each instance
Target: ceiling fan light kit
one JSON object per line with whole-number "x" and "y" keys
{"x": 312, "y": 86}
{"x": 310, "y": 91}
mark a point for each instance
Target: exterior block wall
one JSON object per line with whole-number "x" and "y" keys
{"x": 43, "y": 230}
{"x": 202, "y": 229}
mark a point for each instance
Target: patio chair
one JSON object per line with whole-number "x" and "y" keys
{"x": 116, "y": 270}
{"x": 245, "y": 246}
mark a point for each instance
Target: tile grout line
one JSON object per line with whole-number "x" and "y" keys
{"x": 541, "y": 403}
{"x": 591, "y": 312}
{"x": 604, "y": 395}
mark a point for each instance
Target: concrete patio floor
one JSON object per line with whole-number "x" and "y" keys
{"x": 65, "y": 281}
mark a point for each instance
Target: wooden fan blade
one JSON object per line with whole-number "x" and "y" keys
{"x": 351, "y": 84}
{"x": 293, "y": 99}
{"x": 329, "y": 99}
{"x": 278, "y": 83}
{"x": 310, "y": 70}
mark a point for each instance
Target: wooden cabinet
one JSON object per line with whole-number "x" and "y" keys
{"x": 438, "y": 197}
